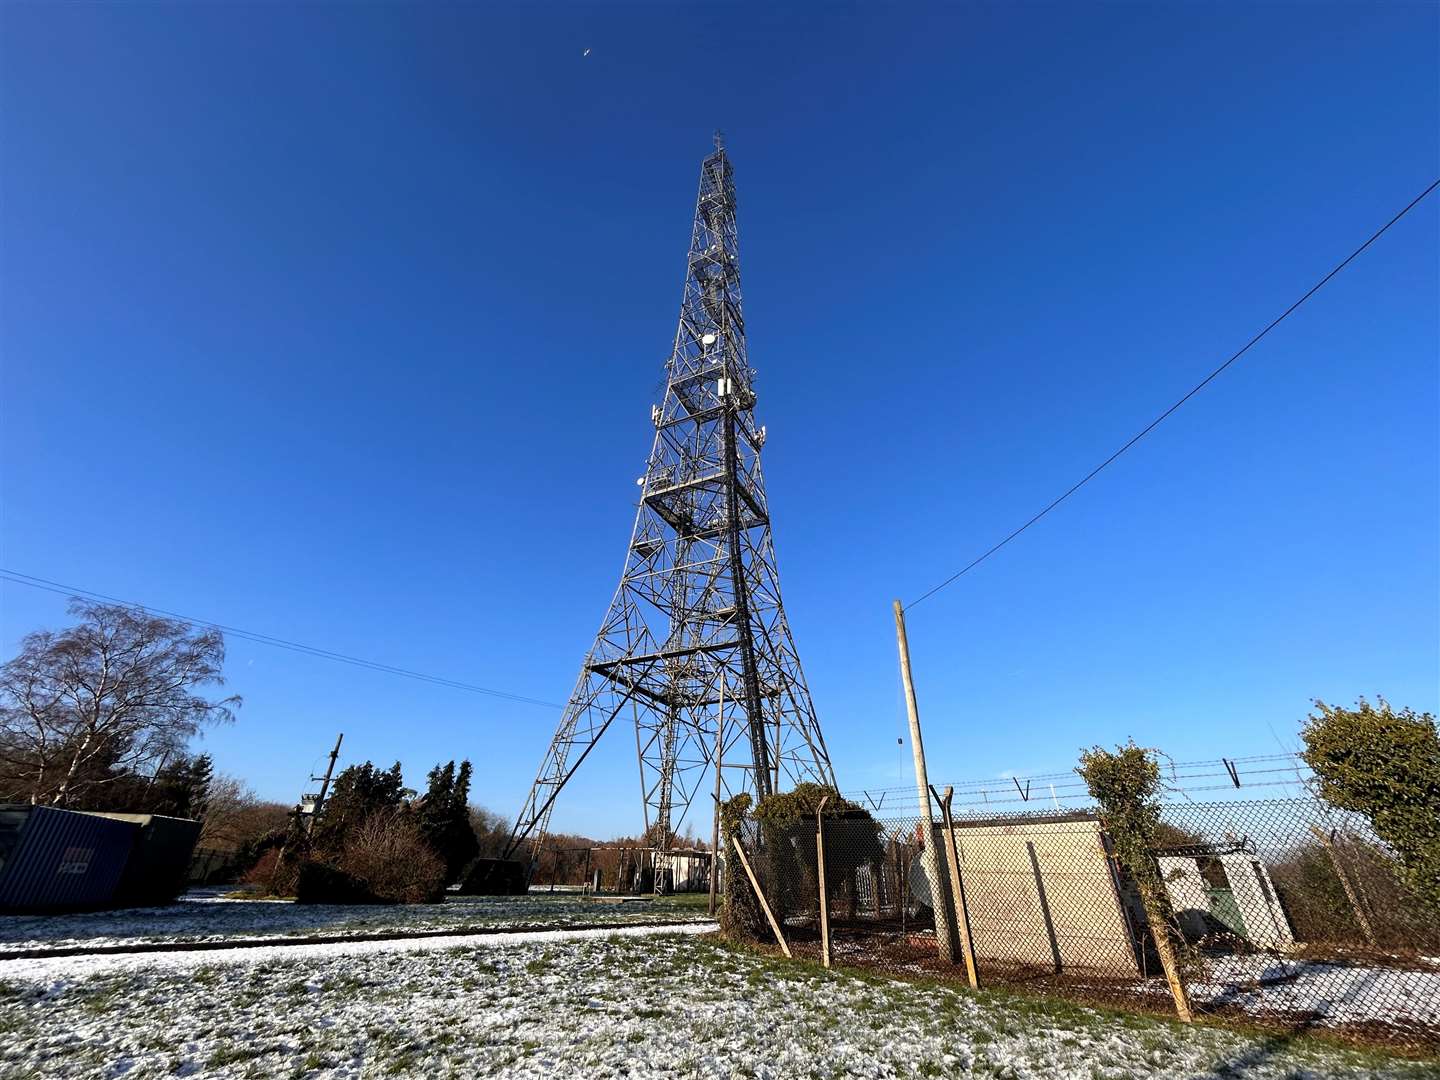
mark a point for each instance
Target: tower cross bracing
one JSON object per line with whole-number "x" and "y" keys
{"x": 695, "y": 651}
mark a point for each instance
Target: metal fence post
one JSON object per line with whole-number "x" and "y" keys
{"x": 957, "y": 889}
{"x": 820, "y": 868}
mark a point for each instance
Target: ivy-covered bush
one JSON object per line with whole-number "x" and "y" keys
{"x": 1126, "y": 783}
{"x": 852, "y": 840}
{"x": 740, "y": 916}
{"x": 1385, "y": 765}
{"x": 781, "y": 849}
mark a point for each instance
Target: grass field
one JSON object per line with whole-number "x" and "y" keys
{"x": 208, "y": 915}
{"x": 662, "y": 1005}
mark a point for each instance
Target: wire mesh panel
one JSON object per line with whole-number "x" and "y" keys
{"x": 1281, "y": 911}
{"x": 1291, "y": 909}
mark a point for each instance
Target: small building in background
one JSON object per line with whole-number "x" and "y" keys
{"x": 1224, "y": 890}
{"x": 72, "y": 860}
{"x": 683, "y": 870}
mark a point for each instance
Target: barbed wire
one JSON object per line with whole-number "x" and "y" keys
{"x": 1177, "y": 773}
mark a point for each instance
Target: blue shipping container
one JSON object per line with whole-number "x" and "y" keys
{"x": 58, "y": 859}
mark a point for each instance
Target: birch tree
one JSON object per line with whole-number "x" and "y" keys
{"x": 121, "y": 692}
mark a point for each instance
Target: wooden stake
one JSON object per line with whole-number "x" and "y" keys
{"x": 957, "y": 890}
{"x": 944, "y": 930}
{"x": 1160, "y": 931}
{"x": 764, "y": 906}
{"x": 820, "y": 867}
{"x": 1360, "y": 915}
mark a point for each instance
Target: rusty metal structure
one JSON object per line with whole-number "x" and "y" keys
{"x": 695, "y": 650}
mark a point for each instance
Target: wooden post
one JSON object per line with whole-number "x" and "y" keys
{"x": 820, "y": 868}
{"x": 1156, "y": 907}
{"x": 957, "y": 890}
{"x": 1160, "y": 931}
{"x": 764, "y": 906}
{"x": 944, "y": 929}
{"x": 1360, "y": 915}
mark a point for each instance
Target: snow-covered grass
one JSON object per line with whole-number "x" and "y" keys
{"x": 658, "y": 1005}
{"x": 207, "y": 915}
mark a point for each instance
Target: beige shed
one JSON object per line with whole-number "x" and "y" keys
{"x": 1042, "y": 893}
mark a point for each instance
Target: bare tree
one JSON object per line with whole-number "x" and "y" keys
{"x": 115, "y": 694}
{"x": 491, "y": 830}
{"x": 235, "y": 817}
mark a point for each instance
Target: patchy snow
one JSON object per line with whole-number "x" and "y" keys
{"x": 206, "y": 915}
{"x": 571, "y": 1005}
{"x": 1315, "y": 993}
{"x": 1333, "y": 993}
{"x": 1402, "y": 995}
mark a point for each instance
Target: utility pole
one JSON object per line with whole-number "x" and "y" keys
{"x": 944, "y": 928}
{"x": 325, "y": 780}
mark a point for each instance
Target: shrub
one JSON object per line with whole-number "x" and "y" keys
{"x": 360, "y": 792}
{"x": 787, "y": 822}
{"x": 1320, "y": 910}
{"x": 271, "y": 875}
{"x": 262, "y": 871}
{"x": 388, "y": 854}
{"x": 321, "y": 883}
{"x": 493, "y": 877}
{"x": 1386, "y": 765}
{"x": 277, "y": 859}
{"x": 1315, "y": 901}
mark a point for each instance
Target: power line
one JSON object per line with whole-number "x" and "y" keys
{"x": 266, "y": 639}
{"x": 1193, "y": 391}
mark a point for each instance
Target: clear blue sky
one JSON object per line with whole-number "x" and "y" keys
{"x": 342, "y": 323}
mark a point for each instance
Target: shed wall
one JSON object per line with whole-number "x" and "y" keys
{"x": 62, "y": 859}
{"x": 1043, "y": 895}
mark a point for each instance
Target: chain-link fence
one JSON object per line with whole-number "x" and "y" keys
{"x": 621, "y": 869}
{"x": 1282, "y": 910}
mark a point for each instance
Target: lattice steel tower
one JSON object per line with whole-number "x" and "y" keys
{"x": 695, "y": 648}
